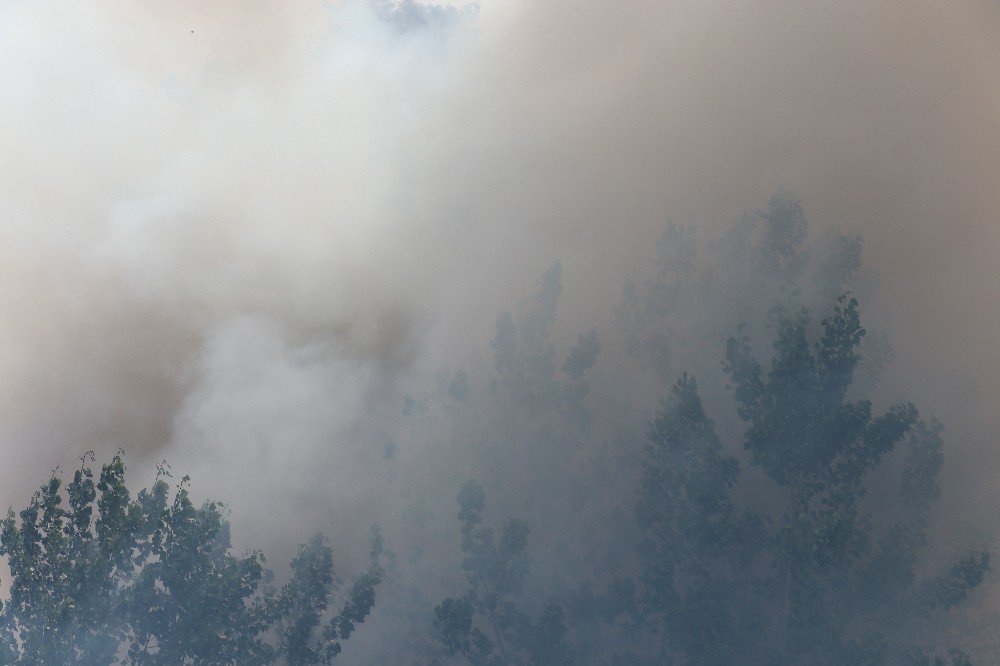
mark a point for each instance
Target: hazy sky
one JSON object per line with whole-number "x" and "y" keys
{"x": 229, "y": 230}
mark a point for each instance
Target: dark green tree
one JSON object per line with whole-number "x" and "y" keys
{"x": 815, "y": 574}
{"x": 486, "y": 625}
{"x": 109, "y": 578}
{"x": 820, "y": 448}
{"x": 696, "y": 545}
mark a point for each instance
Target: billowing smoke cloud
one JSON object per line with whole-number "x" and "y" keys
{"x": 234, "y": 233}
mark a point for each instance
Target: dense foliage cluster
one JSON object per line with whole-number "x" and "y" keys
{"x": 107, "y": 578}
{"x": 495, "y": 570}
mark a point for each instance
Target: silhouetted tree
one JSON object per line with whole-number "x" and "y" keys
{"x": 697, "y": 547}
{"x": 109, "y": 578}
{"x": 486, "y": 625}
{"x": 814, "y": 575}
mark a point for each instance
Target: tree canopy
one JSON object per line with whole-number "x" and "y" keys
{"x": 99, "y": 577}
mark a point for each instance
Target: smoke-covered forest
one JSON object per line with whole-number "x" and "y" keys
{"x": 764, "y": 510}
{"x": 499, "y": 334}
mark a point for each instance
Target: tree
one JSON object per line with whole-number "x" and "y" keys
{"x": 696, "y": 545}
{"x": 815, "y": 575}
{"x": 485, "y": 625}
{"x": 153, "y": 580}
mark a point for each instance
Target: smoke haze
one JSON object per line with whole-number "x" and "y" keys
{"x": 237, "y": 236}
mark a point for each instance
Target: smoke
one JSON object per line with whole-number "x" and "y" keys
{"x": 235, "y": 235}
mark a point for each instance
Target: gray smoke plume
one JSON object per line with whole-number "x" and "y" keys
{"x": 238, "y": 235}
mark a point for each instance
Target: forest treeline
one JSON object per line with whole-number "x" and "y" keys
{"x": 705, "y": 478}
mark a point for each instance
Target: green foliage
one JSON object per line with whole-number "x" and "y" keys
{"x": 696, "y": 546}
{"x": 540, "y": 410}
{"x": 153, "y": 580}
{"x": 950, "y": 588}
{"x": 485, "y": 625}
{"x": 810, "y": 439}
{"x": 808, "y": 577}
